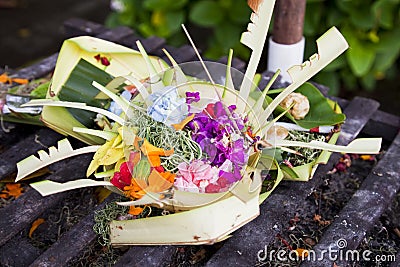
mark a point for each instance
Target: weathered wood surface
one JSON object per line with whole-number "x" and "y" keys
{"x": 72, "y": 243}
{"x": 26, "y": 208}
{"x": 364, "y": 208}
{"x": 29, "y": 145}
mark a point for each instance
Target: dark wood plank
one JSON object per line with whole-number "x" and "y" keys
{"x": 25, "y": 209}
{"x": 383, "y": 124}
{"x": 72, "y": 243}
{"x": 355, "y": 123}
{"x": 40, "y": 69}
{"x": 76, "y": 27}
{"x": 146, "y": 256}
{"x": 152, "y": 45}
{"x": 13, "y": 133}
{"x": 364, "y": 208}
{"x": 241, "y": 249}
{"x": 30, "y": 145}
{"x": 24, "y": 249}
{"x": 236, "y": 63}
{"x": 182, "y": 54}
{"x": 116, "y": 34}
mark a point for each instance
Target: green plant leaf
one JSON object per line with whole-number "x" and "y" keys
{"x": 360, "y": 56}
{"x": 164, "y": 4}
{"x": 368, "y": 81}
{"x": 79, "y": 88}
{"x": 174, "y": 19}
{"x": 312, "y": 19}
{"x": 321, "y": 112}
{"x": 239, "y": 12}
{"x": 338, "y": 63}
{"x": 227, "y": 35}
{"x": 40, "y": 91}
{"x": 330, "y": 79}
{"x": 206, "y": 13}
{"x": 384, "y": 11}
{"x": 362, "y": 17}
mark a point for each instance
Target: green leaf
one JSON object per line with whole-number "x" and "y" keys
{"x": 79, "y": 88}
{"x": 321, "y": 113}
{"x": 174, "y": 19}
{"x": 312, "y": 19}
{"x": 228, "y": 35}
{"x": 239, "y": 12}
{"x": 384, "y": 12}
{"x": 330, "y": 79}
{"x": 368, "y": 82}
{"x": 40, "y": 91}
{"x": 338, "y": 63}
{"x": 362, "y": 17}
{"x": 385, "y": 60}
{"x": 206, "y": 13}
{"x": 360, "y": 56}
{"x": 164, "y": 4}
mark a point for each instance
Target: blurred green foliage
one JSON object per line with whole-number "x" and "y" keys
{"x": 222, "y": 20}
{"x": 371, "y": 27}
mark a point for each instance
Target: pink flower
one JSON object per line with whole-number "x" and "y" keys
{"x": 196, "y": 176}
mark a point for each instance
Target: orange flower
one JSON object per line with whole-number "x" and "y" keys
{"x": 156, "y": 182}
{"x": 135, "y": 210}
{"x": 153, "y": 153}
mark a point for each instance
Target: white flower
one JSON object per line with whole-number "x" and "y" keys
{"x": 167, "y": 106}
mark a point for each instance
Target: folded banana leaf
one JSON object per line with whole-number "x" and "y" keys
{"x": 81, "y": 61}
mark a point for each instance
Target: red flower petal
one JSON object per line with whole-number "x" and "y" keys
{"x": 212, "y": 188}
{"x": 159, "y": 168}
{"x": 210, "y": 110}
{"x": 104, "y": 61}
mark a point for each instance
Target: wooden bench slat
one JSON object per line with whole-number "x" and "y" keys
{"x": 146, "y": 256}
{"x": 29, "y": 146}
{"x": 26, "y": 208}
{"x": 76, "y": 27}
{"x": 364, "y": 208}
{"x": 72, "y": 243}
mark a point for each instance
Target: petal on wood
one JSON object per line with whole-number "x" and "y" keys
{"x": 35, "y": 225}
{"x": 13, "y": 190}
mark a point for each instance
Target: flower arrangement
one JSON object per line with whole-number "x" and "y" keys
{"x": 197, "y": 140}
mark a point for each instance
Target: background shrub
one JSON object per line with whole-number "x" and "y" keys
{"x": 372, "y": 29}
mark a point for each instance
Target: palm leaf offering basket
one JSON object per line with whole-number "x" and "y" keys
{"x": 197, "y": 141}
